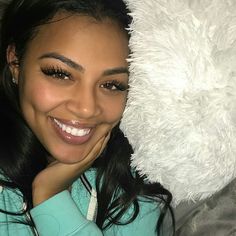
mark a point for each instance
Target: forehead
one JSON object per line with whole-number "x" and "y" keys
{"x": 81, "y": 34}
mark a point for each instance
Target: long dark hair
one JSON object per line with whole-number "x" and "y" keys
{"x": 22, "y": 156}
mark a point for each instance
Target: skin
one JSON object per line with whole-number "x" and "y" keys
{"x": 73, "y": 71}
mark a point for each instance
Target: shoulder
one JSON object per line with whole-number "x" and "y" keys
{"x": 144, "y": 224}
{"x": 10, "y": 199}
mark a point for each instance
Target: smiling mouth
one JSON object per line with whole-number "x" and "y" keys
{"x": 74, "y": 131}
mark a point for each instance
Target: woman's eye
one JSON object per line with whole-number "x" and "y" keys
{"x": 56, "y": 73}
{"x": 115, "y": 86}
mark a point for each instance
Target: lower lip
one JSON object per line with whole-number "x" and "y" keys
{"x": 70, "y": 139}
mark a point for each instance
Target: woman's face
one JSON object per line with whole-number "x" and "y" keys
{"x": 72, "y": 84}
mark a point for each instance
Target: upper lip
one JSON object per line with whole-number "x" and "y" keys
{"x": 75, "y": 123}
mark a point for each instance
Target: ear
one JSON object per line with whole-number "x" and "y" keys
{"x": 13, "y": 63}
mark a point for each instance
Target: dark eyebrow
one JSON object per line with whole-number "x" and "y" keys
{"x": 74, "y": 65}
{"x": 63, "y": 59}
{"x": 114, "y": 71}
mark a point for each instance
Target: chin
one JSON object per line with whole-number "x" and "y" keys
{"x": 69, "y": 160}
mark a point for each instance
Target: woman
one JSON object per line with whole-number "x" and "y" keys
{"x": 64, "y": 162}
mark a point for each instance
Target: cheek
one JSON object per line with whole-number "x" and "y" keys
{"x": 114, "y": 110}
{"x": 36, "y": 97}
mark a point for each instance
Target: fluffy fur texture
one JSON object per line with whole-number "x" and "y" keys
{"x": 181, "y": 111}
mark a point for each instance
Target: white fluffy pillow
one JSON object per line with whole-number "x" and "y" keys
{"x": 181, "y": 111}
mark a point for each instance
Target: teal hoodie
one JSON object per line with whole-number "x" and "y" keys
{"x": 66, "y": 214}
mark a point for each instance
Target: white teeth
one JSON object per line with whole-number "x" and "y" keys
{"x": 72, "y": 130}
{"x": 68, "y": 130}
{"x": 63, "y": 127}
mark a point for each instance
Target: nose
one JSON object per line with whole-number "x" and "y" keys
{"x": 84, "y": 103}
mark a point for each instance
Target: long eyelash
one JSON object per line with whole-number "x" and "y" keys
{"x": 119, "y": 85}
{"x": 51, "y": 71}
